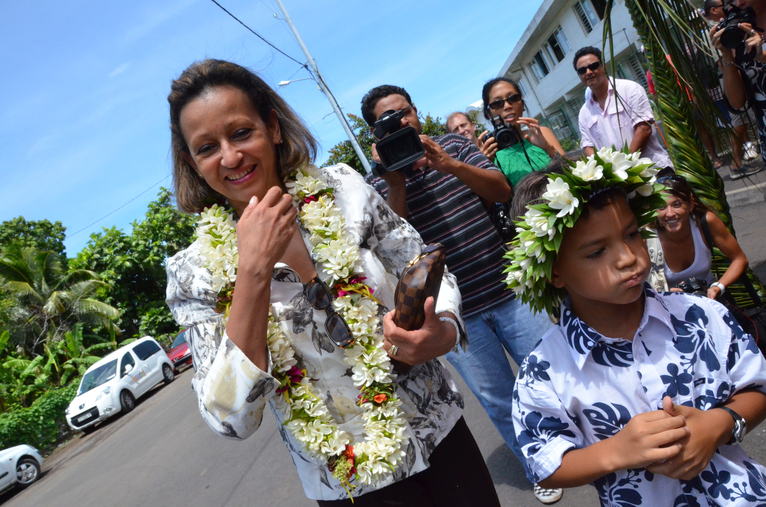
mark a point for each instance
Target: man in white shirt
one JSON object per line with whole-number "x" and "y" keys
{"x": 618, "y": 119}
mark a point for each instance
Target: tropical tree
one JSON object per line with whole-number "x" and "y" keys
{"x": 678, "y": 55}
{"x": 40, "y": 234}
{"x": 49, "y": 300}
{"x": 133, "y": 265}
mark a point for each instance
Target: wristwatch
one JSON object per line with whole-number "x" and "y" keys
{"x": 739, "y": 429}
{"x": 720, "y": 286}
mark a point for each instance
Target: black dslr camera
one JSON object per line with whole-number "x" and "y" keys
{"x": 504, "y": 135}
{"x": 399, "y": 147}
{"x": 693, "y": 286}
{"x": 732, "y": 35}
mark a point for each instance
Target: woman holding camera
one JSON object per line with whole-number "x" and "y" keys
{"x": 531, "y": 148}
{"x": 286, "y": 295}
{"x": 687, "y": 255}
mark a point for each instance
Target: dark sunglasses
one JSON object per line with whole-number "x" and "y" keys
{"x": 511, "y": 99}
{"x": 585, "y": 68}
{"x": 319, "y": 296}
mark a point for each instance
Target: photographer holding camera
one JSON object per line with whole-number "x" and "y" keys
{"x": 740, "y": 40}
{"x": 515, "y": 151}
{"x": 439, "y": 188}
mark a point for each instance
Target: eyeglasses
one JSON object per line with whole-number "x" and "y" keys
{"x": 511, "y": 99}
{"x": 585, "y": 68}
{"x": 319, "y": 296}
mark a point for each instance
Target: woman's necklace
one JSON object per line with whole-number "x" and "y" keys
{"x": 336, "y": 255}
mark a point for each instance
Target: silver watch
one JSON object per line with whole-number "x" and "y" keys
{"x": 739, "y": 429}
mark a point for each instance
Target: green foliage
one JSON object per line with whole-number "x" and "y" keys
{"x": 678, "y": 56}
{"x": 433, "y": 126}
{"x": 133, "y": 265}
{"x": 47, "y": 300}
{"x": 39, "y": 234}
{"x": 569, "y": 144}
{"x": 40, "y": 425}
{"x": 343, "y": 152}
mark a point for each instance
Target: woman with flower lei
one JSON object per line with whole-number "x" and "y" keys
{"x": 286, "y": 293}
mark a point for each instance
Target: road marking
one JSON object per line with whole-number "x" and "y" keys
{"x": 745, "y": 189}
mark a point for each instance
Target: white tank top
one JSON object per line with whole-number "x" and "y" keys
{"x": 700, "y": 268}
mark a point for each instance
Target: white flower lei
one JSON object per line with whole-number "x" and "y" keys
{"x": 540, "y": 231}
{"x": 337, "y": 257}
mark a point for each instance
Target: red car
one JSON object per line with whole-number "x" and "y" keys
{"x": 179, "y": 353}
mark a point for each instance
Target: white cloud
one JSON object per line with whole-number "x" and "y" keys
{"x": 119, "y": 69}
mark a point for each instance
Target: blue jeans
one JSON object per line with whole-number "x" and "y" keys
{"x": 485, "y": 368}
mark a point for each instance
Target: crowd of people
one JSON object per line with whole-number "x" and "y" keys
{"x": 625, "y": 380}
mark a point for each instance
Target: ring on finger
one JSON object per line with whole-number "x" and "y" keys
{"x": 393, "y": 350}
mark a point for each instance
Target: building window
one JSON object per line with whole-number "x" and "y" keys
{"x": 539, "y": 67}
{"x": 557, "y": 45}
{"x": 560, "y": 125}
{"x": 586, "y": 14}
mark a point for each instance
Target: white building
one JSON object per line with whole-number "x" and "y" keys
{"x": 541, "y": 62}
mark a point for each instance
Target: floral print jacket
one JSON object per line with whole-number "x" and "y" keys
{"x": 579, "y": 387}
{"x": 232, "y": 392}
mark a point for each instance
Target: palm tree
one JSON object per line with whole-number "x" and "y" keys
{"x": 48, "y": 300}
{"x": 678, "y": 54}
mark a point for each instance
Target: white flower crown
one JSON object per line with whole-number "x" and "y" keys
{"x": 540, "y": 231}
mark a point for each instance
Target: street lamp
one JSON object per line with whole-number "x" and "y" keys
{"x": 288, "y": 81}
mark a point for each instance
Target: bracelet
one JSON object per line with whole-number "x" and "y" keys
{"x": 457, "y": 329}
{"x": 720, "y": 286}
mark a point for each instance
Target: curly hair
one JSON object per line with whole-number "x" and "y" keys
{"x": 297, "y": 149}
{"x": 372, "y": 97}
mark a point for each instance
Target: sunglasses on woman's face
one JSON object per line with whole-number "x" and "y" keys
{"x": 585, "y": 68}
{"x": 511, "y": 99}
{"x": 319, "y": 296}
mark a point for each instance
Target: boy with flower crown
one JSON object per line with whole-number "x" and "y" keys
{"x": 645, "y": 395}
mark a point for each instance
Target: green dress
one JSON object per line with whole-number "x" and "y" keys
{"x": 514, "y": 164}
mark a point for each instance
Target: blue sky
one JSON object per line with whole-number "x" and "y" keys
{"x": 83, "y": 111}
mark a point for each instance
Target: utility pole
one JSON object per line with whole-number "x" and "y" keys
{"x": 326, "y": 90}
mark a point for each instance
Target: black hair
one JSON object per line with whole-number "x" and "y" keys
{"x": 372, "y": 97}
{"x": 487, "y": 88}
{"x": 710, "y": 4}
{"x": 587, "y": 50}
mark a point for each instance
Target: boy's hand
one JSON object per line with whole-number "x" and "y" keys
{"x": 698, "y": 445}
{"x": 648, "y": 438}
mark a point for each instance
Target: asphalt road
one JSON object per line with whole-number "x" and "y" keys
{"x": 162, "y": 454}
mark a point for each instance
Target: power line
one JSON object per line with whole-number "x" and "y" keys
{"x": 257, "y": 34}
{"x": 118, "y": 208}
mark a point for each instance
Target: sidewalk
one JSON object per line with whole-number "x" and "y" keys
{"x": 747, "y": 190}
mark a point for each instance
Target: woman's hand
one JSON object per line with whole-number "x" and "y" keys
{"x": 533, "y": 134}
{"x": 698, "y": 445}
{"x": 433, "y": 339}
{"x": 753, "y": 39}
{"x": 264, "y": 231}
{"x": 713, "y": 292}
{"x": 488, "y": 145}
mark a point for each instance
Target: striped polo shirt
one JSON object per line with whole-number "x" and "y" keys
{"x": 444, "y": 210}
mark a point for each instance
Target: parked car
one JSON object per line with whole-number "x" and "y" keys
{"x": 114, "y": 382}
{"x": 19, "y": 465}
{"x": 180, "y": 353}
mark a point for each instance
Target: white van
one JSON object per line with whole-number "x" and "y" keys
{"x": 114, "y": 382}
